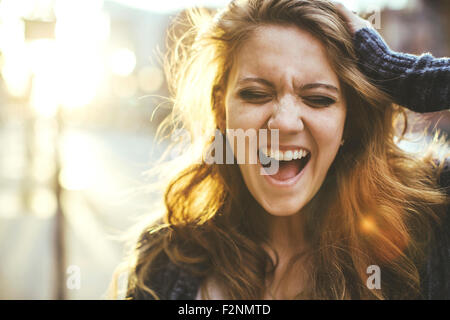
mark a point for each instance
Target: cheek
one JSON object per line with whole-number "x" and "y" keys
{"x": 327, "y": 130}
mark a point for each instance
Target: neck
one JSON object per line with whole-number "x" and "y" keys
{"x": 287, "y": 240}
{"x": 286, "y": 234}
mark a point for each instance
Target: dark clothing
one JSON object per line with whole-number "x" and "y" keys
{"x": 436, "y": 278}
{"x": 170, "y": 283}
{"x": 418, "y": 83}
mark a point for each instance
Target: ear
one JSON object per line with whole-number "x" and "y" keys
{"x": 218, "y": 106}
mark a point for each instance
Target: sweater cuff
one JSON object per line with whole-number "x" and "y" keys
{"x": 375, "y": 54}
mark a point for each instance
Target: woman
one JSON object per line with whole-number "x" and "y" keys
{"x": 345, "y": 197}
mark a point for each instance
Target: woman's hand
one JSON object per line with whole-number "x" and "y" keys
{"x": 354, "y": 22}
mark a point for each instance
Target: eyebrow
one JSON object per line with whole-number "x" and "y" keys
{"x": 303, "y": 87}
{"x": 260, "y": 80}
{"x": 319, "y": 85}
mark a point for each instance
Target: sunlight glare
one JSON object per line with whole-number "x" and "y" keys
{"x": 123, "y": 62}
{"x": 43, "y": 202}
{"x": 77, "y": 159}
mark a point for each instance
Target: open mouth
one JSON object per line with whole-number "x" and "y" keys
{"x": 287, "y": 169}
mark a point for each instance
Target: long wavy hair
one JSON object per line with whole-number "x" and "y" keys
{"x": 377, "y": 206}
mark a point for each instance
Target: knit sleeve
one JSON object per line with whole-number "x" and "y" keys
{"x": 419, "y": 83}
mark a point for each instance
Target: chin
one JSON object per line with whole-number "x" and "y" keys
{"x": 282, "y": 209}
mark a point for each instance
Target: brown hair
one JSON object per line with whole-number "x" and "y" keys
{"x": 377, "y": 205}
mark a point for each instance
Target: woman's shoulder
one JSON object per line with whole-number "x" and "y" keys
{"x": 436, "y": 283}
{"x": 167, "y": 279}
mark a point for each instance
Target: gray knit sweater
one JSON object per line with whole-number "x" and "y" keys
{"x": 421, "y": 83}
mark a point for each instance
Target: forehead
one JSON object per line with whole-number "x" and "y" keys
{"x": 283, "y": 53}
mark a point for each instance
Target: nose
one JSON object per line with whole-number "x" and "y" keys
{"x": 287, "y": 116}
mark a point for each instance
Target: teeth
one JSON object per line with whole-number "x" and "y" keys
{"x": 286, "y": 156}
{"x": 277, "y": 155}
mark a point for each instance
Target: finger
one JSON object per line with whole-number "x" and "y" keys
{"x": 343, "y": 9}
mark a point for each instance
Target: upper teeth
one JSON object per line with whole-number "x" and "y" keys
{"x": 286, "y": 155}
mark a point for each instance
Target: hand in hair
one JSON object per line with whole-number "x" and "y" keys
{"x": 419, "y": 83}
{"x": 354, "y": 21}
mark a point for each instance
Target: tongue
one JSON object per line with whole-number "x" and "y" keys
{"x": 287, "y": 170}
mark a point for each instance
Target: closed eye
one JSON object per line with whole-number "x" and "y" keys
{"x": 254, "y": 96}
{"x": 319, "y": 101}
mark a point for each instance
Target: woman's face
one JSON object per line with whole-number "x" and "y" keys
{"x": 282, "y": 76}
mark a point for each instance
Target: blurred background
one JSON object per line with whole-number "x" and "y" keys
{"x": 79, "y": 94}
